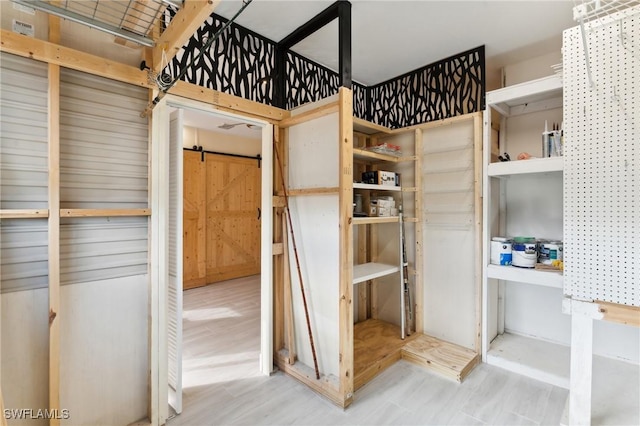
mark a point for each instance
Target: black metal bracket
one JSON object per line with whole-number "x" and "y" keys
{"x": 204, "y": 151}
{"x": 340, "y": 10}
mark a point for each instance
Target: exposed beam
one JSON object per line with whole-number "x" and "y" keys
{"x": 188, "y": 19}
{"x": 313, "y": 25}
{"x": 52, "y": 53}
{"x": 40, "y": 50}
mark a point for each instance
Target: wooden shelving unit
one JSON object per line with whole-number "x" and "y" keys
{"x": 374, "y": 220}
{"x": 372, "y": 270}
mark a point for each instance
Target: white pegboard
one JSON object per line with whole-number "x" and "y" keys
{"x": 602, "y": 161}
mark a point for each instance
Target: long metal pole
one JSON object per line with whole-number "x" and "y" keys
{"x": 295, "y": 253}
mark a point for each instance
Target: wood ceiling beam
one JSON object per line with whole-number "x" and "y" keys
{"x": 188, "y": 19}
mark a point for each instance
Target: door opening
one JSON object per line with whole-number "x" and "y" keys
{"x": 218, "y": 230}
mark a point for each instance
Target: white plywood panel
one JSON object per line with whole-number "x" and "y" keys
{"x": 313, "y": 153}
{"x": 101, "y": 248}
{"x": 104, "y": 351}
{"x": 23, "y": 255}
{"x": 23, "y": 133}
{"x": 602, "y": 163}
{"x": 25, "y": 349}
{"x": 448, "y": 237}
{"x": 103, "y": 143}
{"x": 315, "y": 223}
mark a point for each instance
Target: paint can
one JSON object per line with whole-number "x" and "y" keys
{"x": 500, "y": 251}
{"x": 548, "y": 251}
{"x": 524, "y": 252}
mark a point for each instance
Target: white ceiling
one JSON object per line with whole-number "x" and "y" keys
{"x": 390, "y": 38}
{"x": 212, "y": 121}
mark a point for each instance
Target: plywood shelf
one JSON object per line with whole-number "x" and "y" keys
{"x": 538, "y": 359}
{"x": 374, "y": 220}
{"x": 372, "y": 270}
{"x": 377, "y": 346}
{"x": 363, "y": 154}
{"x": 367, "y": 127}
{"x": 377, "y": 187}
{"x": 520, "y": 167}
{"x": 525, "y": 275}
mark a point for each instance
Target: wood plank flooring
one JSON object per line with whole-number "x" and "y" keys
{"x": 223, "y": 385}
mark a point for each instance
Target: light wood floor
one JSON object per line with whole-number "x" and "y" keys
{"x": 222, "y": 384}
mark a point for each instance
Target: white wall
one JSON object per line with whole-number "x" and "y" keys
{"x": 313, "y": 163}
{"x": 104, "y": 351}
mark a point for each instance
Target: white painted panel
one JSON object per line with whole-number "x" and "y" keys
{"x": 104, "y": 351}
{"x": 23, "y": 133}
{"x": 101, "y": 248}
{"x": 315, "y": 223}
{"x": 25, "y": 351}
{"x": 174, "y": 323}
{"x": 448, "y": 234}
{"x": 103, "y": 143}
{"x": 313, "y": 162}
{"x": 23, "y": 254}
{"x": 313, "y": 153}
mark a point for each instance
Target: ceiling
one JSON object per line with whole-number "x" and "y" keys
{"x": 390, "y": 38}
{"x": 212, "y": 121}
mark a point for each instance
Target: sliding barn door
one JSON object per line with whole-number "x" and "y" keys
{"x": 174, "y": 339}
{"x": 195, "y": 216}
{"x": 233, "y": 217}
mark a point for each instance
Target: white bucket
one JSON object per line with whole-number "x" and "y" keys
{"x": 524, "y": 255}
{"x": 500, "y": 253}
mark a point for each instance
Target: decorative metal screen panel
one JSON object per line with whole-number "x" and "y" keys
{"x": 453, "y": 86}
{"x": 243, "y": 63}
{"x": 307, "y": 81}
{"x": 602, "y": 162}
{"x": 239, "y": 62}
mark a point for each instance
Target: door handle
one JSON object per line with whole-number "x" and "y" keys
{"x": 259, "y": 213}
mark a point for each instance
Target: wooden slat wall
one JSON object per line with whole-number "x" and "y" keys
{"x": 104, "y": 143}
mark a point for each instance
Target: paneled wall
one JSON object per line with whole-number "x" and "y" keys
{"x": 102, "y": 241}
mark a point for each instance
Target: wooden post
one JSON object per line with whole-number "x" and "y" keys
{"x": 477, "y": 163}
{"x": 345, "y": 293}
{"x": 581, "y": 369}
{"x": 278, "y": 270}
{"x": 419, "y": 285}
{"x": 54, "y": 226}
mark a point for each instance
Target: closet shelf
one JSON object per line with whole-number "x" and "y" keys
{"x": 373, "y": 220}
{"x": 367, "y": 127}
{"x": 370, "y": 271}
{"x": 520, "y": 167}
{"x": 535, "y": 358}
{"x": 536, "y": 95}
{"x": 524, "y": 275}
{"x": 377, "y": 187}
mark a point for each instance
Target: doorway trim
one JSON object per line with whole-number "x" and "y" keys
{"x": 159, "y": 241}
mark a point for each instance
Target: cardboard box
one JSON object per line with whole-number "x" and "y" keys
{"x": 380, "y": 177}
{"x": 386, "y": 203}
